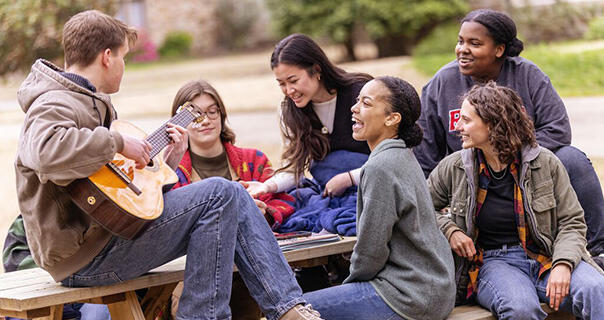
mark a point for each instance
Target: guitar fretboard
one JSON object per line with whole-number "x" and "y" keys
{"x": 159, "y": 139}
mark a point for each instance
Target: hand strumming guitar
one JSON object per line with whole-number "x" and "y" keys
{"x": 136, "y": 149}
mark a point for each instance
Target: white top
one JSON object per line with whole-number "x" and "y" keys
{"x": 326, "y": 111}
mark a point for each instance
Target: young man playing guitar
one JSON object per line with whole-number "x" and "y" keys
{"x": 66, "y": 137}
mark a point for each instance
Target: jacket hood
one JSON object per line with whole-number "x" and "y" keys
{"x": 388, "y": 144}
{"x": 45, "y": 77}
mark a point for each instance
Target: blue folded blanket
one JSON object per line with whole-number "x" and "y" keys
{"x": 315, "y": 212}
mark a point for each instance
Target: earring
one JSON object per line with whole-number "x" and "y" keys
{"x": 319, "y": 77}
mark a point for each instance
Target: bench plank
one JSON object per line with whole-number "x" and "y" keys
{"x": 475, "y": 312}
{"x": 470, "y": 313}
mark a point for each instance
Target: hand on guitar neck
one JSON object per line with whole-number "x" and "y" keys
{"x": 136, "y": 149}
{"x": 179, "y": 142}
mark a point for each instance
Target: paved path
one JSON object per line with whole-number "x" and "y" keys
{"x": 586, "y": 115}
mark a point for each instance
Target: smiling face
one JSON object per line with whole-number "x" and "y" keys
{"x": 473, "y": 131}
{"x": 299, "y": 85}
{"x": 477, "y": 53}
{"x": 373, "y": 121}
{"x": 206, "y": 134}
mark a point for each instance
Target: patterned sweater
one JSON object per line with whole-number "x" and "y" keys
{"x": 247, "y": 165}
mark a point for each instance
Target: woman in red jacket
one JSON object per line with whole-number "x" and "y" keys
{"x": 211, "y": 153}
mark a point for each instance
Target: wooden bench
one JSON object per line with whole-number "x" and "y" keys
{"x": 475, "y": 312}
{"x": 34, "y": 294}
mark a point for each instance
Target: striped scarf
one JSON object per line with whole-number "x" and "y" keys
{"x": 532, "y": 251}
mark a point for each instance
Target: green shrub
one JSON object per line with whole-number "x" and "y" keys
{"x": 31, "y": 29}
{"x": 557, "y": 22}
{"x": 176, "y": 44}
{"x": 596, "y": 29}
{"x": 441, "y": 40}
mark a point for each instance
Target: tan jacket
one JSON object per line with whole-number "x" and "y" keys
{"x": 62, "y": 139}
{"x": 555, "y": 217}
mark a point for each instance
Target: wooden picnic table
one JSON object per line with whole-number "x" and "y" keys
{"x": 33, "y": 293}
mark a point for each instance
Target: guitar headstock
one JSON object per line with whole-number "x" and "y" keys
{"x": 188, "y": 107}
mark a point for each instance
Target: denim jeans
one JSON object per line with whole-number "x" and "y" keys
{"x": 585, "y": 181}
{"x": 350, "y": 301}
{"x": 509, "y": 287}
{"x": 215, "y": 223}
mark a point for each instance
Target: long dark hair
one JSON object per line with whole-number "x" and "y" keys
{"x": 196, "y": 88}
{"x": 501, "y": 27}
{"x": 501, "y": 109}
{"x": 300, "y": 126}
{"x": 404, "y": 99}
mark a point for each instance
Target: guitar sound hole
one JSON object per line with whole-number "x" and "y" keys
{"x": 150, "y": 164}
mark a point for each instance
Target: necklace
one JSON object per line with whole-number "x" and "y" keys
{"x": 502, "y": 173}
{"x": 324, "y": 130}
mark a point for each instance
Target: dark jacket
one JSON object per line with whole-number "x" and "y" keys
{"x": 441, "y": 101}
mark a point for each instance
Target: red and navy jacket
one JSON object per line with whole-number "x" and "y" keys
{"x": 248, "y": 165}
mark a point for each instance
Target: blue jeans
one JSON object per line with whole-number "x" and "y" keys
{"x": 354, "y": 301}
{"x": 509, "y": 287}
{"x": 585, "y": 181}
{"x": 82, "y": 311}
{"x": 215, "y": 223}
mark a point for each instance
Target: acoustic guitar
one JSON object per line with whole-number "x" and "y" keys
{"x": 124, "y": 199}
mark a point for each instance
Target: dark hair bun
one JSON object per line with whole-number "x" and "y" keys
{"x": 412, "y": 135}
{"x": 514, "y": 47}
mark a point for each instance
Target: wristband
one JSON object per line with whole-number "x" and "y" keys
{"x": 351, "y": 179}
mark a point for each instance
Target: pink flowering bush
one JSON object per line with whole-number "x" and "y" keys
{"x": 144, "y": 50}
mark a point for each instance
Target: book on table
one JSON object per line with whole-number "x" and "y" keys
{"x": 303, "y": 239}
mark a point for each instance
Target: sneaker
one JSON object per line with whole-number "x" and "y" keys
{"x": 302, "y": 312}
{"x": 599, "y": 261}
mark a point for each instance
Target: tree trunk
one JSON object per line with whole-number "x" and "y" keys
{"x": 394, "y": 45}
{"x": 350, "y": 54}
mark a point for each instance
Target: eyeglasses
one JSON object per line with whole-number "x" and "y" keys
{"x": 212, "y": 113}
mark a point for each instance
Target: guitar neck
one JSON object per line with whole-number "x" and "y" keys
{"x": 159, "y": 139}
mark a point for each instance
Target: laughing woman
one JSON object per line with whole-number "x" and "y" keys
{"x": 401, "y": 266}
{"x": 515, "y": 224}
{"x": 315, "y": 122}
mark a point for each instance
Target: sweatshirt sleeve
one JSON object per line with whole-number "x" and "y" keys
{"x": 552, "y": 125}
{"x": 434, "y": 143}
{"x": 58, "y": 150}
{"x": 377, "y": 214}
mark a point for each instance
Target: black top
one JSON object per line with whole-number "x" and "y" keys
{"x": 341, "y": 136}
{"x": 497, "y": 221}
{"x": 79, "y": 80}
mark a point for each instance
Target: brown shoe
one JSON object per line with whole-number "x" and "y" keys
{"x": 302, "y": 312}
